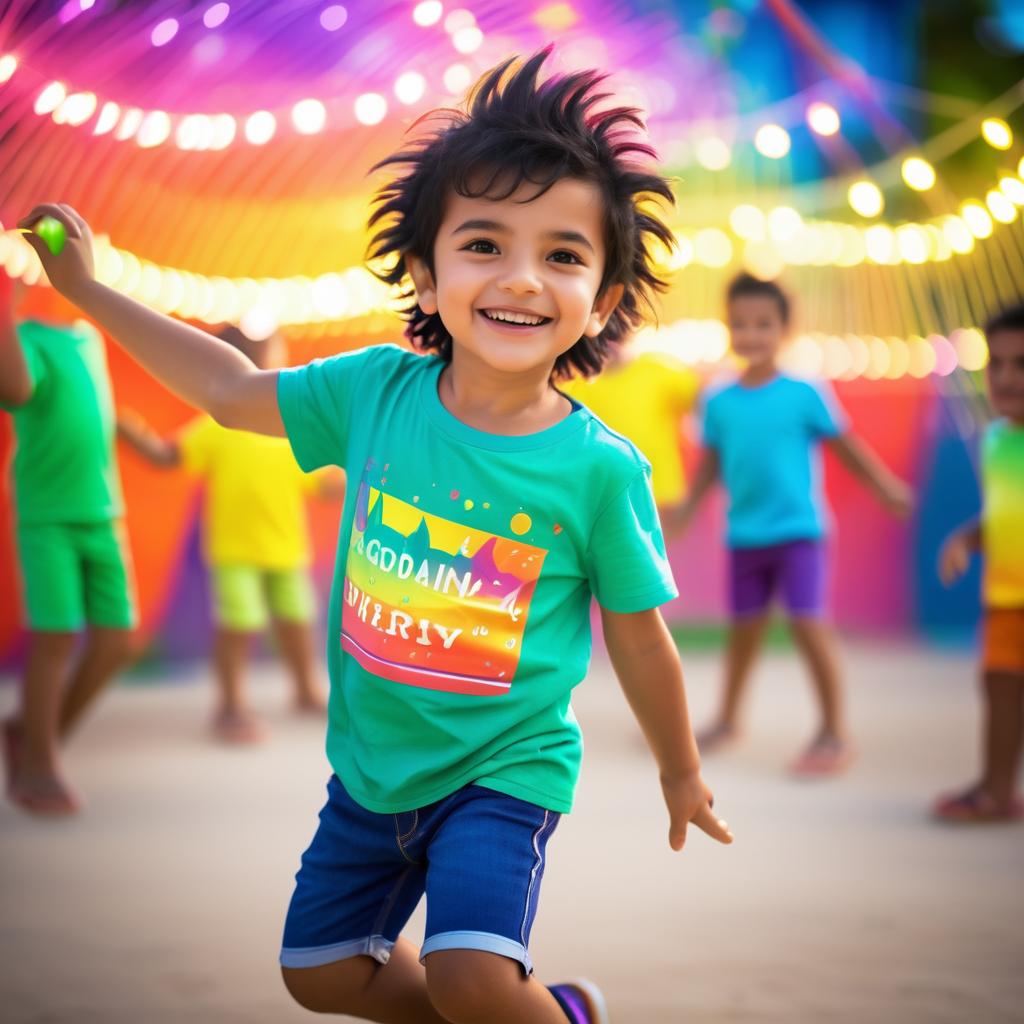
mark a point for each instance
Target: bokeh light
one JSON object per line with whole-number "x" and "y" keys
{"x": 866, "y": 198}
{"x": 823, "y": 118}
{"x": 996, "y": 132}
{"x": 713, "y": 153}
{"x": 918, "y": 173}
{"x": 772, "y": 140}
{"x": 309, "y": 116}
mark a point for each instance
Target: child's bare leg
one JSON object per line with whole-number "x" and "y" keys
{"x": 234, "y": 721}
{"x": 35, "y": 768}
{"x": 468, "y": 986}
{"x": 816, "y": 643}
{"x": 394, "y": 993}
{"x": 1004, "y": 729}
{"x": 106, "y": 652}
{"x": 741, "y": 648}
{"x": 297, "y": 643}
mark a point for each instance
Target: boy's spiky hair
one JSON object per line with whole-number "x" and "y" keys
{"x": 515, "y": 130}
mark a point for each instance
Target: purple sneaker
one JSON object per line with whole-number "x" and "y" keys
{"x": 581, "y": 1000}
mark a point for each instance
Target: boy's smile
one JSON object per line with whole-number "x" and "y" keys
{"x": 516, "y": 280}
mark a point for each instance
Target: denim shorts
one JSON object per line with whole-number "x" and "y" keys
{"x": 477, "y": 854}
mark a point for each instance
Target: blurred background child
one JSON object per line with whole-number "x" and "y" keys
{"x": 999, "y": 536}
{"x": 75, "y": 566}
{"x": 761, "y": 439}
{"x": 255, "y": 543}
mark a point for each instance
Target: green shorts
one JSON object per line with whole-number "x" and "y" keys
{"x": 245, "y": 596}
{"x": 77, "y": 573}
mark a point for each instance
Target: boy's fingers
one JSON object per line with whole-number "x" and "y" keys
{"x": 51, "y": 210}
{"x": 677, "y": 836}
{"x": 706, "y": 820}
{"x": 76, "y": 218}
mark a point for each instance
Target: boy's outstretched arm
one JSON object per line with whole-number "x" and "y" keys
{"x": 895, "y": 494}
{"x": 204, "y": 371}
{"x": 647, "y": 665}
{"x": 136, "y": 433}
{"x": 957, "y": 551}
{"x": 676, "y": 519}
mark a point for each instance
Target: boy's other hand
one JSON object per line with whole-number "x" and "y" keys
{"x": 954, "y": 559}
{"x": 73, "y": 268}
{"x": 689, "y": 799}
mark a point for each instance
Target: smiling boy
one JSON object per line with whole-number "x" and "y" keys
{"x": 523, "y": 228}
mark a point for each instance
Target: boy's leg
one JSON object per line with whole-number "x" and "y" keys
{"x": 468, "y": 986}
{"x": 31, "y": 738}
{"x": 106, "y": 652}
{"x": 803, "y": 583}
{"x": 109, "y": 596}
{"x": 53, "y": 590}
{"x": 751, "y": 582}
{"x": 394, "y": 993}
{"x": 816, "y": 642}
{"x": 1004, "y": 730}
{"x": 239, "y": 610}
{"x": 293, "y": 609}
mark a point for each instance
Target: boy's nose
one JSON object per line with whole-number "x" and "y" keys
{"x": 520, "y": 280}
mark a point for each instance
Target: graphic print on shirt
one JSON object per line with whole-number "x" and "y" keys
{"x": 432, "y": 602}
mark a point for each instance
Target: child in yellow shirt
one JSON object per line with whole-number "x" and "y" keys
{"x": 255, "y": 542}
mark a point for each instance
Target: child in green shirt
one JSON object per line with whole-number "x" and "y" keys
{"x": 75, "y": 564}
{"x": 490, "y": 508}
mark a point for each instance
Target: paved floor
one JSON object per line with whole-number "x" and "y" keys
{"x": 839, "y": 901}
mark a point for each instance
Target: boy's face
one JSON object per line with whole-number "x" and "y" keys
{"x": 516, "y": 280}
{"x": 756, "y": 328}
{"x": 1006, "y": 373}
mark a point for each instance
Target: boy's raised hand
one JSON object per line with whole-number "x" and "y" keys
{"x": 73, "y": 268}
{"x": 688, "y": 800}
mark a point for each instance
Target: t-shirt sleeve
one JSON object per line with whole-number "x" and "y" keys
{"x": 825, "y": 415}
{"x": 316, "y": 402}
{"x": 194, "y": 443}
{"x": 626, "y": 562}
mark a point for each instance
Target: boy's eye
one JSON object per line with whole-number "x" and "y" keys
{"x": 481, "y": 245}
{"x": 564, "y": 256}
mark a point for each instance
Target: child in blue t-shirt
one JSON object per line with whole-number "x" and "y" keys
{"x": 489, "y": 509}
{"x": 761, "y": 438}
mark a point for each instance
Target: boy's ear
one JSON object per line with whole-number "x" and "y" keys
{"x": 423, "y": 282}
{"x": 604, "y": 306}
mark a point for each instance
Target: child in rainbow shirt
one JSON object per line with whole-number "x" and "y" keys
{"x": 999, "y": 536}
{"x": 491, "y": 509}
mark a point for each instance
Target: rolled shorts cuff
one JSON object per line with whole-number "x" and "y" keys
{"x": 486, "y": 942}
{"x": 316, "y": 956}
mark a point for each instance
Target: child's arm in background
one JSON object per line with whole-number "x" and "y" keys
{"x": 894, "y": 493}
{"x": 16, "y": 385}
{"x": 677, "y": 519}
{"x": 330, "y": 485}
{"x": 646, "y": 662}
{"x": 957, "y": 551}
{"x": 204, "y": 371}
{"x": 155, "y": 449}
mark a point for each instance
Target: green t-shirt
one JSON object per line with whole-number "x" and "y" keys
{"x": 65, "y": 469}
{"x": 459, "y": 614}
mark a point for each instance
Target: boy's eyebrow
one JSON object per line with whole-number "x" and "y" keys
{"x": 494, "y": 225}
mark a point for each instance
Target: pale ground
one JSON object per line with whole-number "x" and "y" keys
{"x": 839, "y": 901}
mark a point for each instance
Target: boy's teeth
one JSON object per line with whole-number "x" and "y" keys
{"x": 513, "y": 318}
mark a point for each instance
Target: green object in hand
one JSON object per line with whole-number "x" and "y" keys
{"x": 53, "y": 233}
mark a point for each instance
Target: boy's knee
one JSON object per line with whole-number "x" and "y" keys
{"x": 117, "y": 645}
{"x": 464, "y": 985}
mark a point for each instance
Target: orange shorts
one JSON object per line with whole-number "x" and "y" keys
{"x": 1003, "y": 646}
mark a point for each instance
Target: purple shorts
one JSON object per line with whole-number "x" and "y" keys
{"x": 794, "y": 570}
